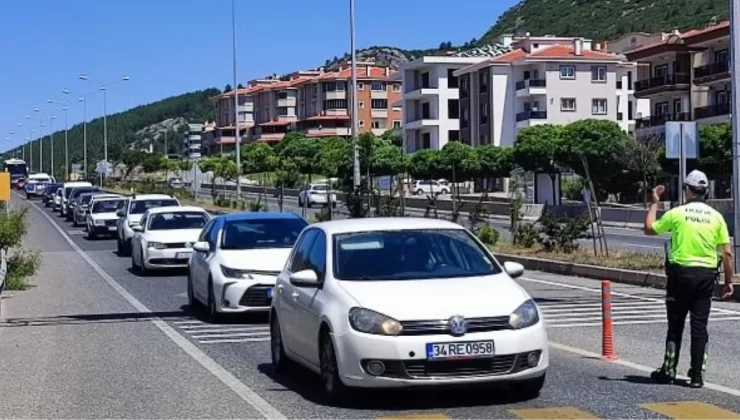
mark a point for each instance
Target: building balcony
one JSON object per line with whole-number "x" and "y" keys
{"x": 379, "y": 94}
{"x": 379, "y": 113}
{"x": 421, "y": 93}
{"x": 531, "y": 87}
{"x": 660, "y": 84}
{"x": 660, "y": 120}
{"x": 336, "y": 94}
{"x": 328, "y": 132}
{"x": 417, "y": 124}
{"x": 712, "y": 73}
{"x": 717, "y": 110}
{"x": 531, "y": 115}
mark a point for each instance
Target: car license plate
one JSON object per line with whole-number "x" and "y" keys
{"x": 182, "y": 255}
{"x": 270, "y": 291}
{"x": 460, "y": 350}
{"x": 112, "y": 228}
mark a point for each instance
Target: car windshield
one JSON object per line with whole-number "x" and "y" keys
{"x": 264, "y": 233}
{"x": 86, "y": 198}
{"x": 108, "y": 206}
{"x": 178, "y": 220}
{"x": 410, "y": 255}
{"x": 140, "y": 206}
{"x": 320, "y": 188}
{"x": 77, "y": 191}
{"x": 52, "y": 188}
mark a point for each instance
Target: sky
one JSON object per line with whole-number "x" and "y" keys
{"x": 169, "y": 47}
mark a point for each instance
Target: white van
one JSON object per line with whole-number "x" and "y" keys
{"x": 66, "y": 189}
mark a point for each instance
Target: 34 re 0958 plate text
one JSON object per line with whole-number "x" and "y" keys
{"x": 460, "y": 350}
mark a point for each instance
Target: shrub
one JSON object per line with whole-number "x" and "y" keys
{"x": 21, "y": 265}
{"x": 562, "y": 233}
{"x": 12, "y": 227}
{"x": 256, "y": 206}
{"x": 479, "y": 214}
{"x": 488, "y": 235}
{"x": 322, "y": 216}
{"x": 572, "y": 189}
{"x": 526, "y": 235}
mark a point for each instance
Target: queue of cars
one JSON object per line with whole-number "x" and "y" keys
{"x": 363, "y": 303}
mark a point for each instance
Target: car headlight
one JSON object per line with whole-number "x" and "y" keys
{"x": 371, "y": 322}
{"x": 525, "y": 315}
{"x": 98, "y": 222}
{"x": 156, "y": 245}
{"x": 234, "y": 273}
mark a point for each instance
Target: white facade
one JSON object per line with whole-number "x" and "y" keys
{"x": 431, "y": 100}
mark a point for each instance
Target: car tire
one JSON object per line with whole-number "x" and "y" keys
{"x": 280, "y": 361}
{"x": 90, "y": 233}
{"x": 213, "y": 314}
{"x": 192, "y": 301}
{"x": 134, "y": 266}
{"x": 419, "y": 192}
{"x": 334, "y": 389}
{"x": 142, "y": 267}
{"x": 529, "y": 388}
{"x": 119, "y": 246}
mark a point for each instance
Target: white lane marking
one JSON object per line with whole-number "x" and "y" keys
{"x": 232, "y": 335}
{"x": 639, "y": 367}
{"x": 654, "y": 321}
{"x": 236, "y": 340}
{"x": 188, "y": 322}
{"x": 243, "y": 391}
{"x": 643, "y": 246}
{"x": 590, "y": 306}
{"x": 207, "y": 328}
{"x": 593, "y": 290}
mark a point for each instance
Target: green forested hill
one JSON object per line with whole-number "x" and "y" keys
{"x": 605, "y": 19}
{"x": 194, "y": 107}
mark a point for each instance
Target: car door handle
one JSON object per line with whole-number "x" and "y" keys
{"x": 295, "y": 295}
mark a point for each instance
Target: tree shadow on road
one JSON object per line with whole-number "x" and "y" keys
{"x": 91, "y": 319}
{"x": 639, "y": 380}
{"x": 308, "y": 385}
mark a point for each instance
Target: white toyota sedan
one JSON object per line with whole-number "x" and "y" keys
{"x": 237, "y": 259}
{"x": 396, "y": 302}
{"x": 164, "y": 237}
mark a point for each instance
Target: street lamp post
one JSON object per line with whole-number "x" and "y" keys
{"x": 355, "y": 103}
{"x": 104, "y": 89}
{"x": 237, "y": 136}
{"x": 735, "y": 102}
{"x": 51, "y": 135}
{"x": 83, "y": 99}
{"x": 65, "y": 108}
{"x": 41, "y": 143}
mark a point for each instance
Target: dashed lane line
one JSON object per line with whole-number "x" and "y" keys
{"x": 243, "y": 391}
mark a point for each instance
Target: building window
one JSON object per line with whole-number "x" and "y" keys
{"x": 568, "y": 104}
{"x": 361, "y": 104}
{"x": 283, "y": 111}
{"x": 335, "y": 104}
{"x": 380, "y": 103}
{"x": 464, "y": 86}
{"x": 598, "y": 106}
{"x": 453, "y": 135}
{"x": 598, "y": 74}
{"x": 334, "y": 86}
{"x": 464, "y": 121}
{"x": 567, "y": 72}
{"x": 282, "y": 95}
{"x": 483, "y": 81}
{"x": 452, "y": 81}
{"x": 396, "y": 124}
{"x": 453, "y": 108}
{"x": 396, "y": 87}
{"x": 483, "y": 115}
{"x": 426, "y": 112}
{"x": 362, "y": 123}
{"x": 425, "y": 81}
{"x": 426, "y": 140}
{"x": 360, "y": 86}
{"x": 378, "y": 86}
{"x": 378, "y": 124}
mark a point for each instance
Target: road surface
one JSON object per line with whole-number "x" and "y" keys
{"x": 92, "y": 340}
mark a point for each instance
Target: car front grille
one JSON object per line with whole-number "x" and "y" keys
{"x": 429, "y": 369}
{"x": 256, "y": 296}
{"x": 175, "y": 245}
{"x": 496, "y": 323}
{"x": 110, "y": 222}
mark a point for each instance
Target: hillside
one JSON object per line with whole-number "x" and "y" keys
{"x": 605, "y": 19}
{"x": 394, "y": 56}
{"x": 127, "y": 127}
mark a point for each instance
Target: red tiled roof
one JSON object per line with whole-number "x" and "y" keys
{"x": 682, "y": 37}
{"x": 511, "y": 56}
{"x": 711, "y": 28}
{"x": 567, "y": 52}
{"x": 327, "y": 117}
{"x": 346, "y": 73}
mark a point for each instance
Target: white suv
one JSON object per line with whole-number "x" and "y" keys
{"x": 429, "y": 187}
{"x": 131, "y": 214}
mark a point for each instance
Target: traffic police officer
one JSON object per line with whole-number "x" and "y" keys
{"x": 697, "y": 231}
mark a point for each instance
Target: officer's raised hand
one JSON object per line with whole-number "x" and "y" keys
{"x": 657, "y": 192}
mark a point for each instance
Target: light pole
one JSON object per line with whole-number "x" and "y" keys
{"x": 104, "y": 89}
{"x": 51, "y": 135}
{"x": 41, "y": 142}
{"x": 355, "y": 103}
{"x": 237, "y": 136}
{"x": 65, "y": 108}
{"x": 82, "y": 99}
{"x": 735, "y": 102}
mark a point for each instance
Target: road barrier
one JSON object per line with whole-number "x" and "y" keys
{"x": 607, "y": 332}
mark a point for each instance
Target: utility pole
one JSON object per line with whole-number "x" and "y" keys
{"x": 734, "y": 102}
{"x": 237, "y": 137}
{"x": 355, "y": 103}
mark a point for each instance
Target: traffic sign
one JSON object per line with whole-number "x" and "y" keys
{"x": 384, "y": 183}
{"x": 103, "y": 167}
{"x": 673, "y": 132}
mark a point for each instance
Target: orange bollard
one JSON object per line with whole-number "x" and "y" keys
{"x": 607, "y": 346}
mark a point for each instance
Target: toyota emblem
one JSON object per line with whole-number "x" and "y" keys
{"x": 457, "y": 325}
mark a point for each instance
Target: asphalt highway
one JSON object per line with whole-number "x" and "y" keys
{"x": 617, "y": 238}
{"x": 92, "y": 340}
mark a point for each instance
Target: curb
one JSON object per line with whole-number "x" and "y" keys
{"x": 631, "y": 277}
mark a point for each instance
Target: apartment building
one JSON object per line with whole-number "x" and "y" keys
{"x": 685, "y": 76}
{"x": 325, "y": 101}
{"x": 317, "y": 103}
{"x": 431, "y": 100}
{"x": 543, "y": 80}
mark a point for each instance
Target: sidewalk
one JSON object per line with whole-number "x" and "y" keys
{"x": 71, "y": 347}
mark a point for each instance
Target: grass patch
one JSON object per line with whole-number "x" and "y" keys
{"x": 626, "y": 260}
{"x": 21, "y": 266}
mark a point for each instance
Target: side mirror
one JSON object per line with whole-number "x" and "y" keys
{"x": 305, "y": 278}
{"x": 137, "y": 228}
{"x": 201, "y": 247}
{"x": 513, "y": 269}
{"x": 120, "y": 213}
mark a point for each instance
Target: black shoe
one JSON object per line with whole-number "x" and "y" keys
{"x": 662, "y": 377}
{"x": 695, "y": 379}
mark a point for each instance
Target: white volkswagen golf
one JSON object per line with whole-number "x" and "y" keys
{"x": 395, "y": 302}
{"x": 164, "y": 237}
{"x": 237, "y": 259}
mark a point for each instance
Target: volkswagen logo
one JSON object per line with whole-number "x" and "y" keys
{"x": 457, "y": 325}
